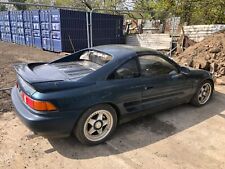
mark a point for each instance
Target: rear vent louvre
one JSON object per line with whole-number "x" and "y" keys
{"x": 73, "y": 70}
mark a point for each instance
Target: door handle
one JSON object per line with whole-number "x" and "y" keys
{"x": 148, "y": 87}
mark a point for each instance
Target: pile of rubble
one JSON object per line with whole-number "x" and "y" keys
{"x": 208, "y": 54}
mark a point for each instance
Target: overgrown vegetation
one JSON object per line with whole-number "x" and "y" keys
{"x": 190, "y": 11}
{"x": 19, "y": 7}
{"x": 3, "y": 8}
{"x": 89, "y": 4}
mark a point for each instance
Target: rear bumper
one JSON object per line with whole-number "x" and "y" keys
{"x": 52, "y": 125}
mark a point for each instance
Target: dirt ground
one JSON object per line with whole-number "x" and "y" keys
{"x": 11, "y": 54}
{"x": 209, "y": 54}
{"x": 183, "y": 137}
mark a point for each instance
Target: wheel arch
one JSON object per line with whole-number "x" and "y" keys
{"x": 116, "y": 108}
{"x": 208, "y": 79}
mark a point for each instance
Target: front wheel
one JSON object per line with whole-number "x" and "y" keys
{"x": 203, "y": 94}
{"x": 96, "y": 125}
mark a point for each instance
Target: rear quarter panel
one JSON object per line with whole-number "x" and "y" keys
{"x": 79, "y": 100}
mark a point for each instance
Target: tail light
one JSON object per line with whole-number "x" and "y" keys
{"x": 36, "y": 104}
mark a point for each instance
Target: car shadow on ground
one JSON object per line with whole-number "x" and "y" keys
{"x": 143, "y": 131}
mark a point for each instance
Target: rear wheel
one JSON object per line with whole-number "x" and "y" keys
{"x": 96, "y": 125}
{"x": 203, "y": 94}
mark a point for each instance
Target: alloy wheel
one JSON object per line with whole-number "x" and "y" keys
{"x": 204, "y": 93}
{"x": 98, "y": 125}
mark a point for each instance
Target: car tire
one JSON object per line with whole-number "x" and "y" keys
{"x": 96, "y": 125}
{"x": 203, "y": 93}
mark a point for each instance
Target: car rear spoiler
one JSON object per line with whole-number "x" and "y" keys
{"x": 41, "y": 84}
{"x": 24, "y": 71}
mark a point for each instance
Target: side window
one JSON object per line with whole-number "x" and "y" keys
{"x": 152, "y": 65}
{"x": 126, "y": 71}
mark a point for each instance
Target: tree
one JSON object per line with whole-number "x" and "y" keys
{"x": 190, "y": 11}
{"x": 45, "y": 2}
{"x": 3, "y": 8}
{"x": 91, "y": 4}
{"x": 19, "y": 7}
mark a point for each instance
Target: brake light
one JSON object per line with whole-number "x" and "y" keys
{"x": 36, "y": 104}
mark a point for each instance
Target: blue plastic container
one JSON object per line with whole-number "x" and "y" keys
{"x": 36, "y": 29}
{"x": 5, "y": 27}
{"x": 63, "y": 30}
{"x": 27, "y": 21}
{"x": 45, "y": 29}
{"x": 28, "y": 40}
{"x": 60, "y": 30}
{"x": 1, "y": 24}
{"x": 17, "y": 27}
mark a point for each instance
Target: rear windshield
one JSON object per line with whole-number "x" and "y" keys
{"x": 96, "y": 57}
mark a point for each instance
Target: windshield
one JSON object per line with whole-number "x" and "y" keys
{"x": 96, "y": 57}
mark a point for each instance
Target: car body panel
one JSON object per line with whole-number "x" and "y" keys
{"x": 74, "y": 94}
{"x": 164, "y": 91}
{"x": 57, "y": 125}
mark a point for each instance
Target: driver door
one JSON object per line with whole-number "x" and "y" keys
{"x": 164, "y": 85}
{"x": 126, "y": 85}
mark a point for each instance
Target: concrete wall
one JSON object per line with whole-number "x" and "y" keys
{"x": 148, "y": 40}
{"x": 199, "y": 32}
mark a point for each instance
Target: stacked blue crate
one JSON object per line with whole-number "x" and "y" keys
{"x": 51, "y": 35}
{"x": 36, "y": 29}
{"x": 8, "y": 35}
{"x": 6, "y": 27}
{"x": 17, "y": 27}
{"x": 63, "y": 30}
{"x": 56, "y": 27}
{"x": 20, "y": 28}
{"x": 60, "y": 30}
{"x": 46, "y": 30}
{"x": 27, "y": 21}
{"x": 1, "y": 24}
{"x": 68, "y": 30}
{"x": 13, "y": 21}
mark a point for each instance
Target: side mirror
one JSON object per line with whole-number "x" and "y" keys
{"x": 184, "y": 70}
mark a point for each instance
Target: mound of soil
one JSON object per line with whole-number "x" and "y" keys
{"x": 208, "y": 54}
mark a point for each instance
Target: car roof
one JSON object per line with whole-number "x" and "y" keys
{"x": 123, "y": 51}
